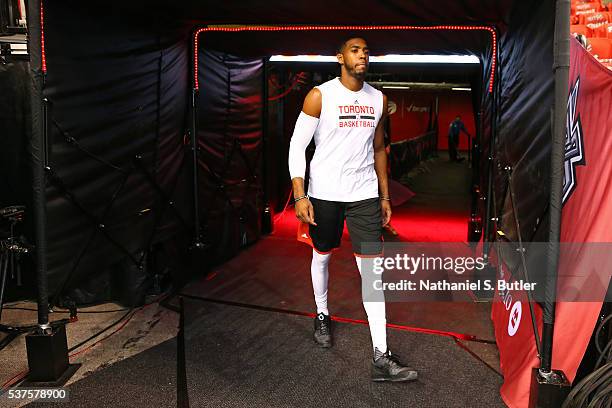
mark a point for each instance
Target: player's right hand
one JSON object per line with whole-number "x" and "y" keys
{"x": 304, "y": 211}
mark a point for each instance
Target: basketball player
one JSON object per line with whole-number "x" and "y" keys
{"x": 348, "y": 180}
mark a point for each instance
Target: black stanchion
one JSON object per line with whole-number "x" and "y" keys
{"x": 182, "y": 393}
{"x": 550, "y": 387}
{"x": 197, "y": 236}
{"x": 486, "y": 244}
{"x": 267, "y": 225}
{"x": 469, "y": 150}
{"x": 519, "y": 235}
{"x": 47, "y": 347}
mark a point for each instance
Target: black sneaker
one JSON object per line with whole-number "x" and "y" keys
{"x": 322, "y": 330}
{"x": 387, "y": 367}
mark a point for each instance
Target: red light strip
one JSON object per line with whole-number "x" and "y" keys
{"x": 400, "y": 327}
{"x": 455, "y": 335}
{"x": 350, "y": 28}
{"x": 42, "y": 38}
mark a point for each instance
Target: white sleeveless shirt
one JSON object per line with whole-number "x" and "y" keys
{"x": 342, "y": 168}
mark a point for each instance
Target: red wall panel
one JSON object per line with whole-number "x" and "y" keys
{"x": 411, "y": 116}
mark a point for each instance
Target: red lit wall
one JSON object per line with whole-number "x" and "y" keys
{"x": 412, "y": 114}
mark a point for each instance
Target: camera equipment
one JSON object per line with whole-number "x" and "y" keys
{"x": 12, "y": 248}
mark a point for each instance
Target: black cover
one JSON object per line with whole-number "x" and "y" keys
{"x": 229, "y": 123}
{"x": 525, "y": 132}
{"x": 118, "y": 92}
{"x": 14, "y": 132}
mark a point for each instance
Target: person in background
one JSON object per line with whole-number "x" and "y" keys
{"x": 455, "y": 127}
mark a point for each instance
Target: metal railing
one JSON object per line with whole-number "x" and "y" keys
{"x": 408, "y": 153}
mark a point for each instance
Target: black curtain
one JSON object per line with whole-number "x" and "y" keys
{"x": 117, "y": 93}
{"x": 229, "y": 128}
{"x": 15, "y": 183}
{"x": 525, "y": 105}
{"x": 518, "y": 118}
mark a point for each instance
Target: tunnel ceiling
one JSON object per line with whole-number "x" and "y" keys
{"x": 325, "y": 12}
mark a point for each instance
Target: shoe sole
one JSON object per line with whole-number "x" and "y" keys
{"x": 391, "y": 379}
{"x": 323, "y": 345}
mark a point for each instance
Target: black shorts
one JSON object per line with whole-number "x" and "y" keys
{"x": 363, "y": 220}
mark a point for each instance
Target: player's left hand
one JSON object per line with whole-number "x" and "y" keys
{"x": 385, "y": 207}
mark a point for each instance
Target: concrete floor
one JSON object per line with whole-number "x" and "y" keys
{"x": 148, "y": 327}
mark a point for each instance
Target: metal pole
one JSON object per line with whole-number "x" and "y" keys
{"x": 519, "y": 235}
{"x": 488, "y": 209}
{"x": 264, "y": 129}
{"x": 182, "y": 393}
{"x": 267, "y": 224}
{"x": 197, "y": 236}
{"x": 561, "y": 76}
{"x": 437, "y": 126}
{"x": 38, "y": 155}
{"x": 3, "y": 274}
{"x": 470, "y": 150}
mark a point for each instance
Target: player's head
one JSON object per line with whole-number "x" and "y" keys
{"x": 354, "y": 57}
{"x": 457, "y": 117}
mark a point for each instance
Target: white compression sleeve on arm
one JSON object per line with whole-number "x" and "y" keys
{"x": 305, "y": 127}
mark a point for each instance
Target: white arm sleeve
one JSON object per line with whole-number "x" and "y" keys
{"x": 305, "y": 127}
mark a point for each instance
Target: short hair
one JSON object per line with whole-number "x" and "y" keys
{"x": 340, "y": 47}
{"x": 343, "y": 43}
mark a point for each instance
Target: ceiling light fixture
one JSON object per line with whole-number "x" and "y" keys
{"x": 391, "y": 58}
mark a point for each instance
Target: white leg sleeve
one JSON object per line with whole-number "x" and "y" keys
{"x": 320, "y": 274}
{"x": 375, "y": 310}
